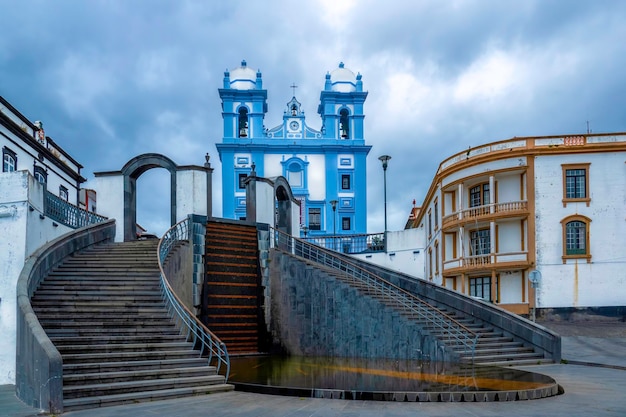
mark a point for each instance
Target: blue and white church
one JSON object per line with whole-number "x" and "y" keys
{"x": 325, "y": 168}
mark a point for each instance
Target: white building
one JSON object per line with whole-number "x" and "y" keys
{"x": 39, "y": 188}
{"x": 556, "y": 205}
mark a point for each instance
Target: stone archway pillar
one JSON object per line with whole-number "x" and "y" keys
{"x": 117, "y": 192}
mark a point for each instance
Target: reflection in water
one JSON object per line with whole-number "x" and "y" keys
{"x": 380, "y": 375}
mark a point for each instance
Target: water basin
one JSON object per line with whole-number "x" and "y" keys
{"x": 386, "y": 379}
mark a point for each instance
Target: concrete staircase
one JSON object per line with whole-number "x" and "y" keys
{"x": 233, "y": 295}
{"x": 102, "y": 309}
{"x": 493, "y": 346}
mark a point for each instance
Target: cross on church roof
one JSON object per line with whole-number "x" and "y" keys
{"x": 293, "y": 86}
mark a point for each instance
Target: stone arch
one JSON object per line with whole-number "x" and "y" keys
{"x": 133, "y": 170}
{"x": 283, "y": 197}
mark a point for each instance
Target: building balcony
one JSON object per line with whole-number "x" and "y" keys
{"x": 486, "y": 263}
{"x": 485, "y": 213}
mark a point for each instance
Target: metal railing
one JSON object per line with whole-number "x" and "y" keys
{"x": 197, "y": 332}
{"x": 454, "y": 332}
{"x": 351, "y": 244}
{"x": 68, "y": 214}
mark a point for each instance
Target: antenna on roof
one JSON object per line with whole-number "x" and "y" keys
{"x": 588, "y": 130}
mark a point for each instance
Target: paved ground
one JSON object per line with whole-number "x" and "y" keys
{"x": 595, "y": 389}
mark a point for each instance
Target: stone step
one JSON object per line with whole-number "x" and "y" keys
{"x": 505, "y": 358}
{"x": 107, "y": 275}
{"x": 123, "y": 322}
{"x": 94, "y": 311}
{"x": 115, "y": 339}
{"x": 129, "y": 331}
{"x": 120, "y": 315}
{"x": 135, "y": 397}
{"x": 77, "y": 298}
{"x": 481, "y": 352}
{"x": 136, "y": 365}
{"x": 128, "y": 356}
{"x": 105, "y": 304}
{"x": 89, "y": 291}
{"x": 136, "y": 375}
{"x": 114, "y": 388}
{"x": 123, "y": 347}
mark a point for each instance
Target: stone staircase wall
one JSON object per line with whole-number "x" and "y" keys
{"x": 531, "y": 334}
{"x": 315, "y": 313}
{"x": 318, "y": 310}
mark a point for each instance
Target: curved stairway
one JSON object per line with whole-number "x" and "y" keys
{"x": 103, "y": 310}
{"x": 493, "y": 347}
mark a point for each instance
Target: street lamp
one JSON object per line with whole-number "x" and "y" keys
{"x": 305, "y": 230}
{"x": 333, "y": 204}
{"x": 385, "y": 159}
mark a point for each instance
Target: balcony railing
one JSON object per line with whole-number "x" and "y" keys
{"x": 455, "y": 332}
{"x": 351, "y": 244}
{"x": 482, "y": 212}
{"x": 209, "y": 344}
{"x": 486, "y": 261}
{"x": 68, "y": 214}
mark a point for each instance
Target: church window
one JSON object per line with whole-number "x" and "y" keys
{"x": 344, "y": 124}
{"x": 242, "y": 179}
{"x": 345, "y": 181}
{"x": 294, "y": 110}
{"x": 315, "y": 218}
{"x": 294, "y": 175}
{"x": 9, "y": 160}
{"x": 40, "y": 175}
{"x": 243, "y": 122}
{"x": 345, "y": 223}
{"x": 576, "y": 183}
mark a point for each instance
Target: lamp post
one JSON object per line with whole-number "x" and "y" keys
{"x": 333, "y": 204}
{"x": 305, "y": 230}
{"x": 385, "y": 159}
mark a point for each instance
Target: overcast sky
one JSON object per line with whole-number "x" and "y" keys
{"x": 118, "y": 78}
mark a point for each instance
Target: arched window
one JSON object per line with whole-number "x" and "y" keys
{"x": 243, "y": 123}
{"x": 576, "y": 237}
{"x": 9, "y": 160}
{"x": 40, "y": 174}
{"x": 344, "y": 124}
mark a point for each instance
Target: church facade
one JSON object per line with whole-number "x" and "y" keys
{"x": 325, "y": 167}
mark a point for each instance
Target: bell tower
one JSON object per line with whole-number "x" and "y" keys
{"x": 341, "y": 105}
{"x": 244, "y": 103}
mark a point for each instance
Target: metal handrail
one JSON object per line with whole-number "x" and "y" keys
{"x": 68, "y": 214}
{"x": 357, "y": 243}
{"x": 456, "y": 332}
{"x": 196, "y": 331}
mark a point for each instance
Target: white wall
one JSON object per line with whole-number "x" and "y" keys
{"x": 265, "y": 203}
{"x": 22, "y": 232}
{"x": 110, "y": 191}
{"x": 405, "y": 252}
{"x": 191, "y": 193}
{"x": 602, "y": 282}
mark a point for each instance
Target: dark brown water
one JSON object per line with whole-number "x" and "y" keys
{"x": 299, "y": 375}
